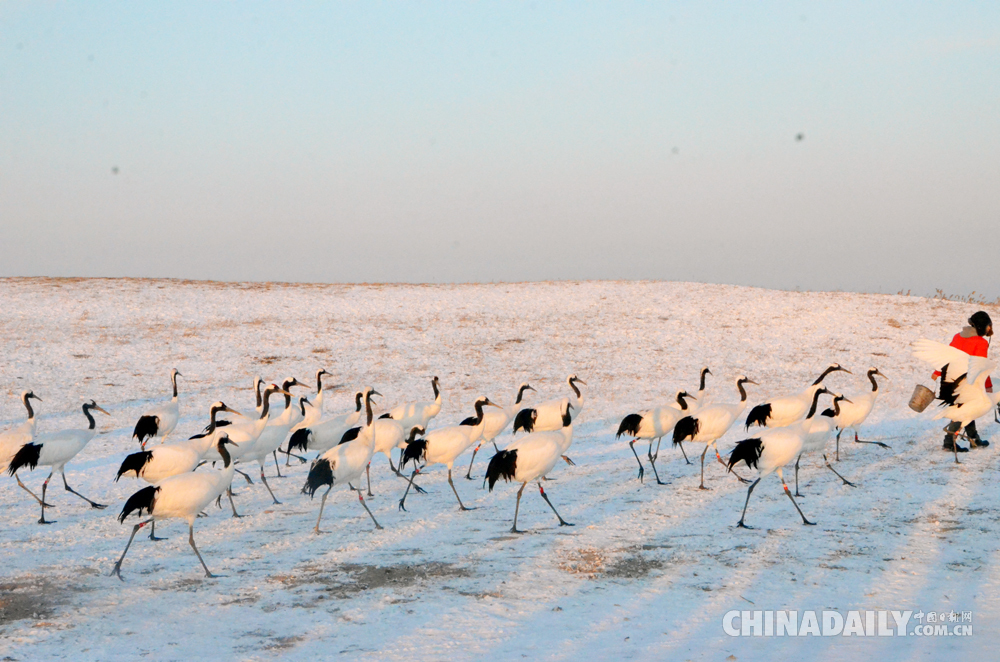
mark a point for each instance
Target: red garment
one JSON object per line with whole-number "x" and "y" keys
{"x": 974, "y": 346}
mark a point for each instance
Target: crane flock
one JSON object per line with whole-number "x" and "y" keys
{"x": 182, "y": 480}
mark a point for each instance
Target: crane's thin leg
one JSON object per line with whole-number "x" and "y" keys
{"x": 681, "y": 444}
{"x": 656, "y": 455}
{"x": 517, "y": 506}
{"x": 93, "y": 504}
{"x": 568, "y": 461}
{"x": 264, "y": 480}
{"x": 322, "y": 503}
{"x": 368, "y": 475}
{"x": 862, "y": 441}
{"x": 229, "y": 492}
{"x": 152, "y": 532}
{"x": 840, "y": 431}
{"x": 117, "y": 570}
{"x": 461, "y": 506}
{"x": 789, "y": 493}
{"x": 249, "y": 482}
{"x": 195, "y": 548}
{"x": 545, "y": 496}
{"x": 393, "y": 468}
{"x": 403, "y": 500}
{"x": 642, "y": 471}
{"x": 797, "y": 475}
{"x": 745, "y": 504}
{"x": 846, "y": 482}
{"x": 652, "y": 463}
{"x": 649, "y": 451}
{"x": 45, "y": 487}
{"x": 497, "y": 448}
{"x": 277, "y": 467}
{"x": 46, "y": 505}
{"x": 732, "y": 471}
{"x": 468, "y": 474}
{"x": 362, "y": 500}
{"x": 702, "y": 486}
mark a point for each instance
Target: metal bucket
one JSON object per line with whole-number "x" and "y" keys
{"x": 922, "y": 396}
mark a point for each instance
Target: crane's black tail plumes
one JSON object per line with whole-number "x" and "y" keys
{"x": 629, "y": 425}
{"x": 320, "y": 474}
{"x": 27, "y": 456}
{"x": 385, "y": 415}
{"x": 948, "y": 395}
{"x": 142, "y": 500}
{"x": 134, "y": 462}
{"x": 415, "y": 450}
{"x": 146, "y": 428}
{"x": 685, "y": 429}
{"x": 525, "y": 420}
{"x": 300, "y": 440}
{"x": 758, "y": 416}
{"x": 748, "y": 451}
{"x": 502, "y": 465}
{"x": 350, "y": 435}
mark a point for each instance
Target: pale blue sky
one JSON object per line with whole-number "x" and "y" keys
{"x": 504, "y": 141}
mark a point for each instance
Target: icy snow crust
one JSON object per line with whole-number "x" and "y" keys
{"x": 647, "y": 572}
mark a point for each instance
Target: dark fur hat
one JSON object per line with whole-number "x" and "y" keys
{"x": 981, "y": 321}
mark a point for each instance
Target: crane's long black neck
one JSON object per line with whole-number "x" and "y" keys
{"x": 681, "y": 401}
{"x": 572, "y": 385}
{"x": 287, "y": 384}
{"x": 704, "y": 371}
{"x": 27, "y": 405}
{"x": 479, "y": 412}
{"x": 434, "y": 385}
{"x": 743, "y": 391}
{"x": 836, "y": 407}
{"x": 211, "y": 420}
{"x": 319, "y": 382}
{"x": 302, "y": 405}
{"x": 871, "y": 377}
{"x": 567, "y": 420}
{"x": 368, "y": 408}
{"x": 226, "y": 457}
{"x": 357, "y": 401}
{"x": 819, "y": 380}
{"x": 173, "y": 380}
{"x": 90, "y": 417}
{"x": 520, "y": 394}
{"x": 256, "y": 388}
{"x": 267, "y": 403}
{"x": 812, "y": 410}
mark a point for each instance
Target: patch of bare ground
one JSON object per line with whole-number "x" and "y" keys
{"x": 32, "y": 597}
{"x": 351, "y": 578}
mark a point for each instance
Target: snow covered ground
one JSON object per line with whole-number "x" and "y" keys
{"x": 647, "y": 572}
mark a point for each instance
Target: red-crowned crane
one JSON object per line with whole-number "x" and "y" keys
{"x": 160, "y": 421}
{"x": 179, "y": 497}
{"x": 56, "y": 449}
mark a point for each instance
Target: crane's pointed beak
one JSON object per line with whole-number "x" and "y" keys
{"x": 231, "y": 410}
{"x": 101, "y": 410}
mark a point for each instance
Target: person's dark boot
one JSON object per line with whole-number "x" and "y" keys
{"x": 950, "y": 442}
{"x": 974, "y": 439}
